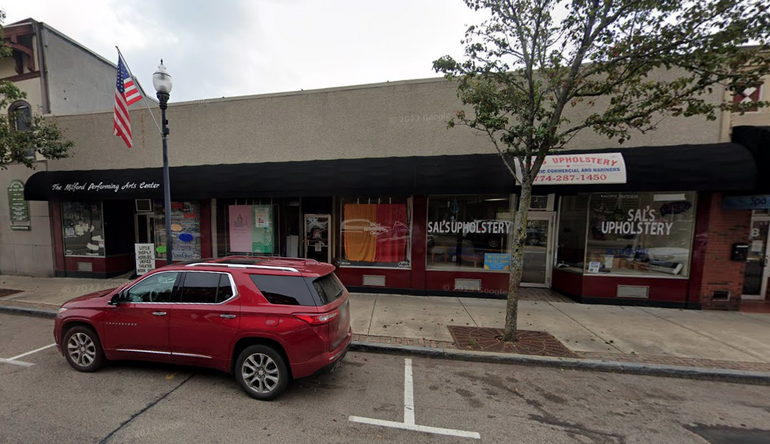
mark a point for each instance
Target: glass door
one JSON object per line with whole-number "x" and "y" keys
{"x": 317, "y": 237}
{"x": 144, "y": 224}
{"x": 757, "y": 269}
{"x": 538, "y": 250}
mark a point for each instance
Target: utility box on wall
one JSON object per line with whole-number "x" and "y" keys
{"x": 739, "y": 252}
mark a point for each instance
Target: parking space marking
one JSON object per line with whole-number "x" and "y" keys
{"x": 408, "y": 393}
{"x": 21, "y": 363}
{"x": 31, "y": 352}
{"x": 409, "y": 422}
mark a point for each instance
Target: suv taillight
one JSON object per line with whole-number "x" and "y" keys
{"x": 317, "y": 319}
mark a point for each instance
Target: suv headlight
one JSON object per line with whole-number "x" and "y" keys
{"x": 61, "y": 310}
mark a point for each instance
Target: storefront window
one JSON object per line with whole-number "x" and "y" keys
{"x": 251, "y": 229}
{"x": 469, "y": 232}
{"x": 376, "y": 232}
{"x": 83, "y": 229}
{"x": 248, "y": 227}
{"x": 185, "y": 230}
{"x": 640, "y": 233}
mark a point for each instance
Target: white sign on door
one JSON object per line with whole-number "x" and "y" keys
{"x": 145, "y": 258}
{"x": 580, "y": 169}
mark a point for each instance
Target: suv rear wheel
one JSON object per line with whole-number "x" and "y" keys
{"x": 261, "y": 372}
{"x": 82, "y": 349}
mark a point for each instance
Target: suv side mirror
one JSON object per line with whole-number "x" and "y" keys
{"x": 118, "y": 298}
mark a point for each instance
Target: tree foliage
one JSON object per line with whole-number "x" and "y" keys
{"x": 629, "y": 63}
{"x": 38, "y": 135}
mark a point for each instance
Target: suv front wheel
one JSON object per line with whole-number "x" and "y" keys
{"x": 82, "y": 349}
{"x": 261, "y": 372}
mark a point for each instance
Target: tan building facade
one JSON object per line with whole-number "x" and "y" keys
{"x": 370, "y": 179}
{"x": 59, "y": 76}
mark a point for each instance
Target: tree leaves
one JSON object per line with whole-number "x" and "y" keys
{"x": 633, "y": 62}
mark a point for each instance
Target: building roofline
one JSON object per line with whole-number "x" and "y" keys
{"x": 282, "y": 94}
{"x": 315, "y": 91}
{"x": 70, "y": 40}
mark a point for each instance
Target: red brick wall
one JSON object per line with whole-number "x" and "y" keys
{"x": 725, "y": 227}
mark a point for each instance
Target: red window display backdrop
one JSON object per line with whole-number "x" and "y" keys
{"x": 375, "y": 234}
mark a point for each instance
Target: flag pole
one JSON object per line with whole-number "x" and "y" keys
{"x": 120, "y": 54}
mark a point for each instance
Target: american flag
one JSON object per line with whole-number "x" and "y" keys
{"x": 126, "y": 93}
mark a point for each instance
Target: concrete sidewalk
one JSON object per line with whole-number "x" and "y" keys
{"x": 707, "y": 339}
{"x": 627, "y": 334}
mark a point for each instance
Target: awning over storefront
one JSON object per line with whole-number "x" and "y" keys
{"x": 714, "y": 167}
{"x": 757, "y": 140}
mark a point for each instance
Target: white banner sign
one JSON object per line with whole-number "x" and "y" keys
{"x": 580, "y": 169}
{"x": 145, "y": 258}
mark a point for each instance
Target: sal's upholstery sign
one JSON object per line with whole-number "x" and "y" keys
{"x": 580, "y": 169}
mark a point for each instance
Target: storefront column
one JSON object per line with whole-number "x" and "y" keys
{"x": 419, "y": 241}
{"x": 206, "y": 231}
{"x": 58, "y": 239}
{"x": 699, "y": 250}
{"x": 722, "y": 282}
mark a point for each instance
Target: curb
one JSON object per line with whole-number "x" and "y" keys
{"x": 671, "y": 371}
{"x": 27, "y": 311}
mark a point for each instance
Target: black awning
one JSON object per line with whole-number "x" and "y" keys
{"x": 715, "y": 167}
{"x": 757, "y": 140}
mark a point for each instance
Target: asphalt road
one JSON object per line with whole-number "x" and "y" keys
{"x": 136, "y": 403}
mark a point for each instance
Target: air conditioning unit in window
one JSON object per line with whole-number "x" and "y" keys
{"x": 143, "y": 205}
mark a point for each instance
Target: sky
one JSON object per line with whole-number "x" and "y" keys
{"x": 240, "y": 47}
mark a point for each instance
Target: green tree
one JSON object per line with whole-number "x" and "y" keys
{"x": 21, "y": 135}
{"x": 532, "y": 61}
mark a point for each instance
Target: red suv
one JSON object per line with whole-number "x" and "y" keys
{"x": 265, "y": 319}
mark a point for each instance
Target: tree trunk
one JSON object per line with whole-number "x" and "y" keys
{"x": 517, "y": 262}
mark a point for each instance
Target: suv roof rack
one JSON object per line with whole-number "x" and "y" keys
{"x": 262, "y": 267}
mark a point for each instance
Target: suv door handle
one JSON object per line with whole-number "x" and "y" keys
{"x": 227, "y": 316}
{"x": 159, "y": 313}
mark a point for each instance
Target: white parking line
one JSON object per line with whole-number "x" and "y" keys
{"x": 408, "y": 393}
{"x": 21, "y": 363}
{"x": 416, "y": 428}
{"x": 409, "y": 423}
{"x": 30, "y": 352}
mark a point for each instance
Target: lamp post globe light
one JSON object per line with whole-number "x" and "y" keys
{"x": 161, "y": 80}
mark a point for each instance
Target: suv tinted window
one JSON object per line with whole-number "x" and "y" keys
{"x": 155, "y": 288}
{"x": 202, "y": 288}
{"x": 329, "y": 288}
{"x": 225, "y": 290}
{"x": 284, "y": 290}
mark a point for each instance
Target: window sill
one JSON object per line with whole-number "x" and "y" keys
{"x": 375, "y": 267}
{"x": 621, "y": 274}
